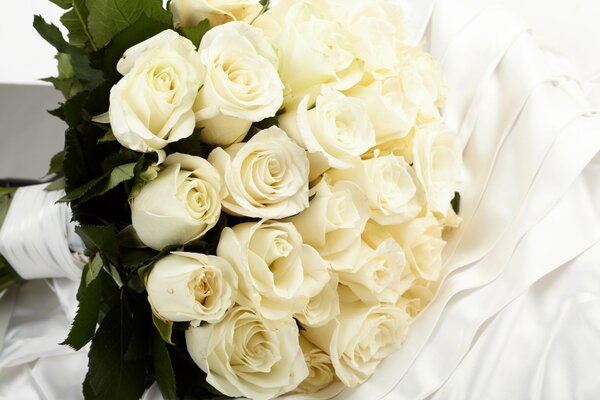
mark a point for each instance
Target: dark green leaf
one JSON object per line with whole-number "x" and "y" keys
{"x": 64, "y": 4}
{"x": 107, "y": 18}
{"x": 101, "y": 185}
{"x": 102, "y": 239}
{"x": 58, "y": 184}
{"x": 8, "y": 276}
{"x": 94, "y": 268}
{"x": 196, "y": 33}
{"x": 109, "y": 137}
{"x": 5, "y": 200}
{"x": 75, "y": 20}
{"x": 265, "y": 3}
{"x": 164, "y": 328}
{"x": 131, "y": 259}
{"x": 110, "y": 376}
{"x": 56, "y": 163}
{"x": 123, "y": 157}
{"x": 84, "y": 324}
{"x": 143, "y": 28}
{"x": 50, "y": 33}
{"x": 191, "y": 145}
{"x": 266, "y": 123}
{"x": 163, "y": 369}
{"x": 456, "y": 203}
{"x": 129, "y": 238}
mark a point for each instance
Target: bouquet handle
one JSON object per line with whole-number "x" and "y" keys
{"x": 37, "y": 237}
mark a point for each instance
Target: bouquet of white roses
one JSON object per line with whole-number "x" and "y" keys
{"x": 263, "y": 191}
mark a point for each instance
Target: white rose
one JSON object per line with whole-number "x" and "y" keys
{"x": 437, "y": 158}
{"x": 421, "y": 240}
{"x": 180, "y": 205}
{"x": 323, "y": 307}
{"x": 392, "y": 115}
{"x": 334, "y": 221}
{"x": 277, "y": 272}
{"x": 390, "y": 185}
{"x": 151, "y": 106}
{"x": 242, "y": 85}
{"x": 243, "y": 356}
{"x": 191, "y": 287}
{"x": 377, "y": 28}
{"x": 320, "y": 369}
{"x": 423, "y": 84}
{"x": 314, "y": 48}
{"x": 189, "y": 13}
{"x": 267, "y": 177}
{"x": 418, "y": 296}
{"x": 335, "y": 133}
{"x": 382, "y": 276}
{"x": 360, "y": 338}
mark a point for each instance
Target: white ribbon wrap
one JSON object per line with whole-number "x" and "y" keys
{"x": 38, "y": 239}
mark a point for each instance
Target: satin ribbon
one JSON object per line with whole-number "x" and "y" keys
{"x": 37, "y": 237}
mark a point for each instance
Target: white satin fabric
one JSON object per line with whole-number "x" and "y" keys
{"x": 518, "y": 313}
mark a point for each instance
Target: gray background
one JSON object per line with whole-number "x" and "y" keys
{"x": 29, "y": 136}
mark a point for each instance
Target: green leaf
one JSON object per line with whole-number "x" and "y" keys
{"x": 8, "y": 276}
{"x": 163, "y": 369}
{"x": 266, "y": 123}
{"x": 164, "y": 328}
{"x": 456, "y": 203}
{"x": 94, "y": 268}
{"x": 75, "y": 20}
{"x": 64, "y": 4}
{"x": 101, "y": 185}
{"x": 5, "y": 200}
{"x": 143, "y": 28}
{"x": 196, "y": 33}
{"x": 191, "y": 145}
{"x": 100, "y": 239}
{"x": 129, "y": 238}
{"x": 110, "y": 376}
{"x": 58, "y": 184}
{"x": 109, "y": 137}
{"x": 265, "y": 3}
{"x": 107, "y": 18}
{"x": 50, "y": 33}
{"x": 56, "y": 163}
{"x": 84, "y": 324}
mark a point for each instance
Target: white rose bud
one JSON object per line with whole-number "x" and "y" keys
{"x": 382, "y": 276}
{"x": 314, "y": 49}
{"x": 421, "y": 240}
{"x": 418, "y": 296}
{"x": 377, "y": 29}
{"x": 267, "y": 177}
{"x": 151, "y": 106}
{"x": 242, "y": 85}
{"x": 335, "y": 133}
{"x": 334, "y": 221}
{"x": 323, "y": 307}
{"x": 360, "y": 338}
{"x": 390, "y": 185}
{"x": 277, "y": 272}
{"x": 180, "y": 205}
{"x": 320, "y": 369}
{"x": 437, "y": 158}
{"x": 191, "y": 287}
{"x": 392, "y": 115}
{"x": 189, "y": 13}
{"x": 422, "y": 82}
{"x": 244, "y": 356}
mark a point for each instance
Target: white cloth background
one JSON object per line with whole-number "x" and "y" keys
{"x": 518, "y": 314}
